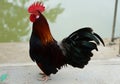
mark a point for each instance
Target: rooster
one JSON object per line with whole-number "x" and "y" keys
{"x": 74, "y": 50}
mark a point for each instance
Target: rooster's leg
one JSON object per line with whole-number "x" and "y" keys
{"x": 41, "y": 73}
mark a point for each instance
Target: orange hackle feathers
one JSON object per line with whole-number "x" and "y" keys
{"x": 37, "y": 6}
{"x": 42, "y": 29}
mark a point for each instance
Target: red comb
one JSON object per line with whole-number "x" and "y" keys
{"x": 36, "y": 6}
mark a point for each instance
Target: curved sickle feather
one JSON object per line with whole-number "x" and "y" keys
{"x": 99, "y": 38}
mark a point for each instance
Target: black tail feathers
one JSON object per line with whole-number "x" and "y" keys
{"x": 78, "y": 46}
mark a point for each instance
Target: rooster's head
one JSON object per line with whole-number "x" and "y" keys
{"x": 35, "y": 10}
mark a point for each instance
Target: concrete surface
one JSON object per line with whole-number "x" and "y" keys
{"x": 96, "y": 72}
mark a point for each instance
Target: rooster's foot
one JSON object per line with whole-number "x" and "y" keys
{"x": 44, "y": 78}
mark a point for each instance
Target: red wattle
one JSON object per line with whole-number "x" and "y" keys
{"x": 32, "y": 18}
